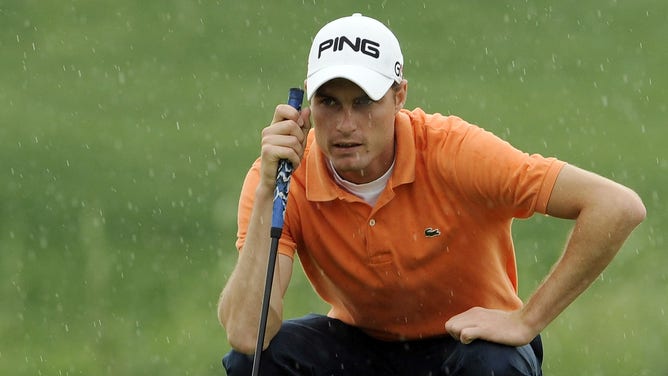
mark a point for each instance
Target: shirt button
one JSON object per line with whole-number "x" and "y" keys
{"x": 372, "y": 222}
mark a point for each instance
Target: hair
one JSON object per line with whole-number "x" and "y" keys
{"x": 395, "y": 85}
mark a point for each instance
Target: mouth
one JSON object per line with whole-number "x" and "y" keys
{"x": 346, "y": 145}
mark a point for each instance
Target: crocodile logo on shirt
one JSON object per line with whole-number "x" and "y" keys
{"x": 431, "y": 232}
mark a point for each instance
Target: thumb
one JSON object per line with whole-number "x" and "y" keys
{"x": 305, "y": 119}
{"x": 305, "y": 124}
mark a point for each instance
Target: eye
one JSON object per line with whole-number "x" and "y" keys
{"x": 364, "y": 101}
{"x": 327, "y": 101}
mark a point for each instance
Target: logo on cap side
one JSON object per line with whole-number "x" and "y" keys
{"x": 365, "y": 46}
{"x": 398, "y": 69}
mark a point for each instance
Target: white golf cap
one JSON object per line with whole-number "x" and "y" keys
{"x": 359, "y": 49}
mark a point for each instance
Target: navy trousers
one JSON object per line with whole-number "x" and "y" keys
{"x": 318, "y": 345}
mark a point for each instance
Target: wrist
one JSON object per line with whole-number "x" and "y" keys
{"x": 264, "y": 192}
{"x": 531, "y": 320}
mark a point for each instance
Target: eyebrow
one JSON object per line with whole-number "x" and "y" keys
{"x": 319, "y": 93}
{"x": 323, "y": 94}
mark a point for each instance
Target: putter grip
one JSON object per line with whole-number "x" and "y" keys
{"x": 283, "y": 176}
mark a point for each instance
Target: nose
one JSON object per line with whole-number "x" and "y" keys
{"x": 346, "y": 122}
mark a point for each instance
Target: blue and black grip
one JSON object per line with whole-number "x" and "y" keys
{"x": 295, "y": 98}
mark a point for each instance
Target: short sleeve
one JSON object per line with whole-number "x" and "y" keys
{"x": 489, "y": 170}
{"x": 245, "y": 209}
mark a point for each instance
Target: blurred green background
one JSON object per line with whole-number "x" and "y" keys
{"x": 126, "y": 129}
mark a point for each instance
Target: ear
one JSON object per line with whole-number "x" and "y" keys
{"x": 400, "y": 96}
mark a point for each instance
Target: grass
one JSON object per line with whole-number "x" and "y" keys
{"x": 128, "y": 126}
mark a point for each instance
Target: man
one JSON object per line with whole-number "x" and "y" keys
{"x": 402, "y": 220}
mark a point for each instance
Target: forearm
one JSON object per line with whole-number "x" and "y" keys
{"x": 597, "y": 236}
{"x": 605, "y": 213}
{"x": 241, "y": 300}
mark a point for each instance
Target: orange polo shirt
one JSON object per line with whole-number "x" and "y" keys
{"x": 436, "y": 243}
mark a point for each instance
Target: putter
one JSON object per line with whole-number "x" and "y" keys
{"x": 283, "y": 174}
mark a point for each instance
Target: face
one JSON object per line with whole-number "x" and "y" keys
{"x": 355, "y": 132}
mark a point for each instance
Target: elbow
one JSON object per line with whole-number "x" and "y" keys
{"x": 242, "y": 330}
{"x": 240, "y": 337}
{"x": 627, "y": 208}
{"x": 635, "y": 211}
{"x": 243, "y": 336}
{"x": 243, "y": 342}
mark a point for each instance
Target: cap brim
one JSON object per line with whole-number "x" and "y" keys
{"x": 374, "y": 84}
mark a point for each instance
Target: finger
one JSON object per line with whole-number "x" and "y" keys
{"x": 289, "y": 128}
{"x": 464, "y": 335}
{"x": 281, "y": 146}
{"x": 285, "y": 112}
{"x": 468, "y": 335}
{"x": 452, "y": 329}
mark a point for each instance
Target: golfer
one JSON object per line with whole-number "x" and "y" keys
{"x": 402, "y": 222}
